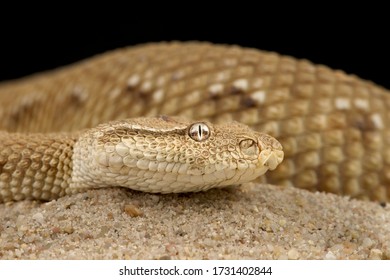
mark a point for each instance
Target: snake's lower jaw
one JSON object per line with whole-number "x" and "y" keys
{"x": 271, "y": 158}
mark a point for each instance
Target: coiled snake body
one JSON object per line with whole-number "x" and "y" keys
{"x": 334, "y": 127}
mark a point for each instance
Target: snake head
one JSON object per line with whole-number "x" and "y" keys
{"x": 240, "y": 152}
{"x": 173, "y": 155}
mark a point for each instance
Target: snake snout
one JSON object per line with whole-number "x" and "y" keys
{"x": 271, "y": 154}
{"x": 271, "y": 158}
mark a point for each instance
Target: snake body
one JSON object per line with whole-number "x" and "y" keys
{"x": 334, "y": 127}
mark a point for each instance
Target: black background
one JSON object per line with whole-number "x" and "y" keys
{"x": 357, "y": 46}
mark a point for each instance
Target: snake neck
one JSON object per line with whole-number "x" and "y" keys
{"x": 35, "y": 166}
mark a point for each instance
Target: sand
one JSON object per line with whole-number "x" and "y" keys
{"x": 250, "y": 222}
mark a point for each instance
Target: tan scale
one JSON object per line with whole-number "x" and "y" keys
{"x": 334, "y": 127}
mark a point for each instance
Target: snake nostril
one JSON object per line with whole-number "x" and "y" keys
{"x": 249, "y": 147}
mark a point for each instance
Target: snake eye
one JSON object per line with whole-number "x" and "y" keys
{"x": 199, "y": 132}
{"x": 249, "y": 147}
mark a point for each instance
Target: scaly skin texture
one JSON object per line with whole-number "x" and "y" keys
{"x": 155, "y": 154}
{"x": 35, "y": 166}
{"x": 158, "y": 155}
{"x": 334, "y": 127}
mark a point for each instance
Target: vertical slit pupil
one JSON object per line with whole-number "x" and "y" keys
{"x": 200, "y": 132}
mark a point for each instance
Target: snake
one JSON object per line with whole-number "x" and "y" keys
{"x": 189, "y": 116}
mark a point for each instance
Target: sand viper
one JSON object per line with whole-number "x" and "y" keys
{"x": 68, "y": 129}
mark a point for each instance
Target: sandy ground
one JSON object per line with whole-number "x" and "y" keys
{"x": 250, "y": 222}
